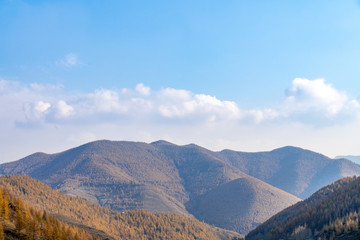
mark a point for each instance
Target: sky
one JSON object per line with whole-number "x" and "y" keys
{"x": 250, "y": 75}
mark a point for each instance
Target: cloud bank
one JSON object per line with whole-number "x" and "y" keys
{"x": 52, "y": 104}
{"x": 173, "y": 114}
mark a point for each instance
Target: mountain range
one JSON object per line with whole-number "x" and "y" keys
{"x": 229, "y": 189}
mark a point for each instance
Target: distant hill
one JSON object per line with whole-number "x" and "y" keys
{"x": 330, "y": 213}
{"x": 133, "y": 224}
{"x": 294, "y": 170}
{"x": 241, "y": 204}
{"x": 164, "y": 177}
{"x": 355, "y": 159}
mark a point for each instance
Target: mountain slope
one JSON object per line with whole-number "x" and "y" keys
{"x": 134, "y": 224}
{"x": 294, "y": 170}
{"x": 119, "y": 175}
{"x": 198, "y": 167}
{"x": 330, "y": 213}
{"x": 20, "y": 220}
{"x": 241, "y": 204}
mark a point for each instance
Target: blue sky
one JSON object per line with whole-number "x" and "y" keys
{"x": 246, "y": 75}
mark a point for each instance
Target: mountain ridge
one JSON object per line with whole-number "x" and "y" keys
{"x": 165, "y": 177}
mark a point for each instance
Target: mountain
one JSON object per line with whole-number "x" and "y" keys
{"x": 107, "y": 224}
{"x": 164, "y": 177}
{"x": 355, "y": 159}
{"x": 330, "y": 213}
{"x": 297, "y": 171}
{"x": 118, "y": 175}
{"x": 241, "y": 204}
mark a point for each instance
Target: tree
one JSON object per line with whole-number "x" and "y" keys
{"x": 1, "y": 232}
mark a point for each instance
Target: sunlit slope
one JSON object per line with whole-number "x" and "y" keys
{"x": 133, "y": 224}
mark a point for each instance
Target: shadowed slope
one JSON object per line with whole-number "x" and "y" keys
{"x": 241, "y": 204}
{"x": 200, "y": 170}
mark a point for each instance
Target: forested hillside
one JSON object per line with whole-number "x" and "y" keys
{"x": 133, "y": 224}
{"x": 330, "y": 213}
{"x": 20, "y": 220}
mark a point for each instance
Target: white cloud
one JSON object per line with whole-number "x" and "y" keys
{"x": 174, "y": 94}
{"x": 142, "y": 89}
{"x": 175, "y": 103}
{"x": 306, "y": 100}
{"x": 64, "y": 110}
{"x": 316, "y": 102}
{"x": 105, "y": 101}
{"x": 257, "y": 116}
{"x": 315, "y": 94}
{"x": 42, "y": 107}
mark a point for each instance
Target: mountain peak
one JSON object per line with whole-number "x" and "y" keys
{"x": 162, "y": 142}
{"x": 288, "y": 148}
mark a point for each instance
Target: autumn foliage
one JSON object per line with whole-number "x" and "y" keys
{"x": 18, "y": 220}
{"x": 100, "y": 221}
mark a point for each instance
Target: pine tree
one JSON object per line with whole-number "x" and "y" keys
{"x": 2, "y": 237}
{"x": 19, "y": 215}
{"x": 4, "y": 208}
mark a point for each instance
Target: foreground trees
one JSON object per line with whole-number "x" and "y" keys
{"x": 24, "y": 222}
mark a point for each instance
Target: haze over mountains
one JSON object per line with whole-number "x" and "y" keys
{"x": 232, "y": 190}
{"x": 355, "y": 159}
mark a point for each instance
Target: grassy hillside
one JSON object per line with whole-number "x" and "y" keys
{"x": 134, "y": 224}
{"x": 330, "y": 213}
